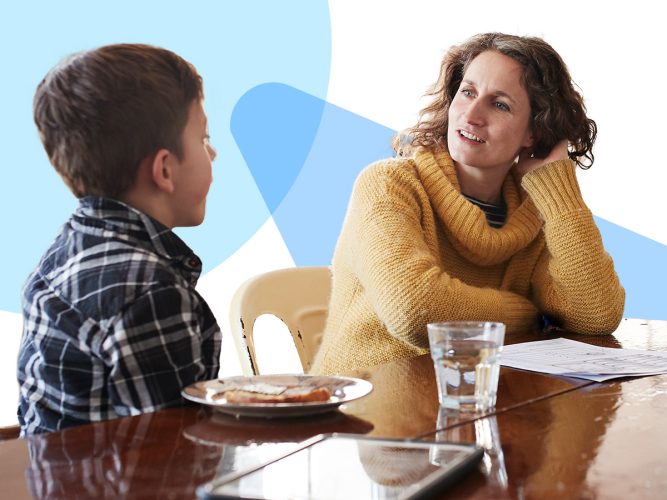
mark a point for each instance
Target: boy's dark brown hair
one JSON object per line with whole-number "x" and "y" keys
{"x": 101, "y": 112}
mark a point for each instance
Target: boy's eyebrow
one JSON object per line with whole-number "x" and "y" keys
{"x": 499, "y": 93}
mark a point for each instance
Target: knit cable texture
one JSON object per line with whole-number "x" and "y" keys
{"x": 413, "y": 250}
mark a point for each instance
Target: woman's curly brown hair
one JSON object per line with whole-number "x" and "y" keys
{"x": 557, "y": 109}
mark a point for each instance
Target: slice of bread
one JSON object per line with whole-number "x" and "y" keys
{"x": 290, "y": 395}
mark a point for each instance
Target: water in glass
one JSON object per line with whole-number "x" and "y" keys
{"x": 467, "y": 374}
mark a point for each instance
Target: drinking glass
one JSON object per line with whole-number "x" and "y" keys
{"x": 466, "y": 355}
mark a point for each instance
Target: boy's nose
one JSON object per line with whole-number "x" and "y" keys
{"x": 212, "y": 153}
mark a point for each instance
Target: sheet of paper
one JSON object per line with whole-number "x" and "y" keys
{"x": 578, "y": 359}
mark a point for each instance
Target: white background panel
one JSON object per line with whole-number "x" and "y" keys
{"x": 385, "y": 54}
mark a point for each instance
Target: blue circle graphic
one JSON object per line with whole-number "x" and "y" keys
{"x": 234, "y": 45}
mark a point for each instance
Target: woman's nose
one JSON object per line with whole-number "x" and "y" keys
{"x": 474, "y": 113}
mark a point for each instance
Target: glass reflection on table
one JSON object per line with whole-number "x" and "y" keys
{"x": 484, "y": 433}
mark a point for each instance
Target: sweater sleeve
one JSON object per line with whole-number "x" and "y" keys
{"x": 395, "y": 257}
{"x": 574, "y": 281}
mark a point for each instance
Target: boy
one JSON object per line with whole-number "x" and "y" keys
{"x": 112, "y": 323}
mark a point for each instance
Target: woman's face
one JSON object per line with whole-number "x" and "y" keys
{"x": 489, "y": 117}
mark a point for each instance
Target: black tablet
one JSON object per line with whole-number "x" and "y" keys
{"x": 350, "y": 466}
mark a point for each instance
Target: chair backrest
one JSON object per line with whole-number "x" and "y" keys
{"x": 298, "y": 296}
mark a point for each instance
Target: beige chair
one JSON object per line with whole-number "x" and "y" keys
{"x": 298, "y": 296}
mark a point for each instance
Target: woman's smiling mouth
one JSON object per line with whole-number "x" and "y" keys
{"x": 470, "y": 136}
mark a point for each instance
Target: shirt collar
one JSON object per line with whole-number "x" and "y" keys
{"x": 105, "y": 214}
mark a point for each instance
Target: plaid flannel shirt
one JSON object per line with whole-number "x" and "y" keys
{"x": 113, "y": 325}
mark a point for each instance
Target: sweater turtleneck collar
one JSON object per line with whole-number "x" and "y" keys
{"x": 465, "y": 223}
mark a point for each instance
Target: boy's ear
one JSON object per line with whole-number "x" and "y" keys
{"x": 161, "y": 171}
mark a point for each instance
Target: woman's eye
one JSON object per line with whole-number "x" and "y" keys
{"x": 466, "y": 92}
{"x": 502, "y": 106}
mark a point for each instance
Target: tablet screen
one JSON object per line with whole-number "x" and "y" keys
{"x": 351, "y": 467}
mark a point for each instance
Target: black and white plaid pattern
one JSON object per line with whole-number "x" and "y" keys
{"x": 112, "y": 324}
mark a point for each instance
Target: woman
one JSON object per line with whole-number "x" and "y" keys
{"x": 484, "y": 222}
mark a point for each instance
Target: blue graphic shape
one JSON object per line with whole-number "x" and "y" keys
{"x": 311, "y": 213}
{"x": 641, "y": 265}
{"x": 235, "y": 47}
{"x": 290, "y": 120}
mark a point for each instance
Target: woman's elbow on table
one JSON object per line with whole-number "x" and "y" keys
{"x": 603, "y": 319}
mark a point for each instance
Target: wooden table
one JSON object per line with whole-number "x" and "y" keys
{"x": 549, "y": 436}
{"x": 604, "y": 440}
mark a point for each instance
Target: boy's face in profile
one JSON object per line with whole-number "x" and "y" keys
{"x": 193, "y": 173}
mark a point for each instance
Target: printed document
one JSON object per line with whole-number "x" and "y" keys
{"x": 580, "y": 360}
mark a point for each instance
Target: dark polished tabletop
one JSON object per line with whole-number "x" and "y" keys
{"x": 549, "y": 437}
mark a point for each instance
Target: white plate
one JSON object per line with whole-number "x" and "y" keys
{"x": 343, "y": 390}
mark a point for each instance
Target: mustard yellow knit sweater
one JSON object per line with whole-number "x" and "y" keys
{"x": 413, "y": 250}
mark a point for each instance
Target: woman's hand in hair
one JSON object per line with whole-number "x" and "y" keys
{"x": 528, "y": 163}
